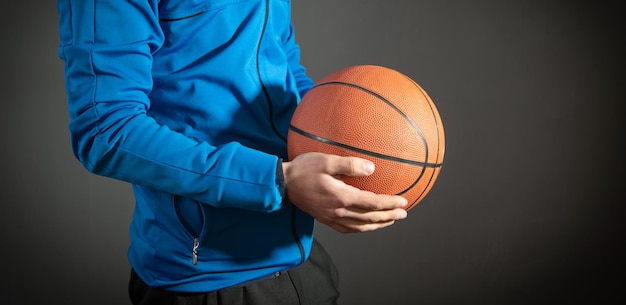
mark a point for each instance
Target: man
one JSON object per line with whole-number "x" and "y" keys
{"x": 190, "y": 101}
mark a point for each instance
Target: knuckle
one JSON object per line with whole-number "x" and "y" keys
{"x": 376, "y": 206}
{"x": 339, "y": 213}
{"x": 352, "y": 166}
{"x": 377, "y": 218}
{"x": 342, "y": 202}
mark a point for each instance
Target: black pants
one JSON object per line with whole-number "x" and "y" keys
{"x": 315, "y": 282}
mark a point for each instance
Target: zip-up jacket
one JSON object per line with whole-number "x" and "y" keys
{"x": 190, "y": 101}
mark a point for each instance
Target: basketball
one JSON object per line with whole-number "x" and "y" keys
{"x": 375, "y": 113}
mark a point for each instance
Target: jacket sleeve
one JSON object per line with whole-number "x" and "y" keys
{"x": 292, "y": 49}
{"x": 107, "y": 49}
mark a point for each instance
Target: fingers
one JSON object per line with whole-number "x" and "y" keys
{"x": 365, "y": 216}
{"x": 353, "y": 220}
{"x": 359, "y": 228}
{"x": 351, "y": 166}
{"x": 313, "y": 184}
{"x": 336, "y": 165}
{"x": 357, "y": 221}
{"x": 364, "y": 200}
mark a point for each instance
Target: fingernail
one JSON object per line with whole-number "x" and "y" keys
{"x": 369, "y": 167}
{"x": 402, "y": 214}
{"x": 404, "y": 202}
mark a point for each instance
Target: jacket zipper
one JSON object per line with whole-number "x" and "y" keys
{"x": 194, "y": 250}
{"x": 192, "y": 231}
{"x": 295, "y": 233}
{"x": 271, "y": 117}
{"x": 270, "y": 107}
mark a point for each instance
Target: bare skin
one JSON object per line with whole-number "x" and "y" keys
{"x": 313, "y": 185}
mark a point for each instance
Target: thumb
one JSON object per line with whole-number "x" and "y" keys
{"x": 355, "y": 167}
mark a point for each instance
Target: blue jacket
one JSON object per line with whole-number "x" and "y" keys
{"x": 190, "y": 101}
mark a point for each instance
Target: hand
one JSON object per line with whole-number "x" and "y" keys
{"x": 313, "y": 185}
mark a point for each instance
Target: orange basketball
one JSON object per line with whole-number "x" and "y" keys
{"x": 375, "y": 113}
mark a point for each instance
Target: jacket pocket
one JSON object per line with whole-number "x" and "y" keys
{"x": 191, "y": 217}
{"x": 172, "y": 10}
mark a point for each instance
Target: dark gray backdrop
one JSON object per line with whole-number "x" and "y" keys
{"x": 528, "y": 208}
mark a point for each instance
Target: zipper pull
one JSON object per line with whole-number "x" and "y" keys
{"x": 194, "y": 251}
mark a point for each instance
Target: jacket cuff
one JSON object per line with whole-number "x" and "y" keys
{"x": 280, "y": 180}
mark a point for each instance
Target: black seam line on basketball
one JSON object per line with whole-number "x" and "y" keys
{"x": 437, "y": 122}
{"x": 362, "y": 151}
{"x": 390, "y": 104}
{"x": 431, "y": 105}
{"x": 439, "y": 153}
{"x": 430, "y": 179}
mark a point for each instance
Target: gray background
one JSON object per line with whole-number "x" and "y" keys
{"x": 528, "y": 207}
